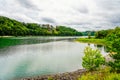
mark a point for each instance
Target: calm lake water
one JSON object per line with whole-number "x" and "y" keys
{"x": 31, "y": 56}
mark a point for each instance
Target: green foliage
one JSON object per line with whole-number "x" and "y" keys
{"x": 92, "y": 59}
{"x": 88, "y": 76}
{"x": 92, "y": 40}
{"x": 100, "y": 75}
{"x": 116, "y": 63}
{"x": 50, "y": 78}
{"x": 113, "y": 39}
{"x": 9, "y": 27}
{"x": 112, "y": 76}
{"x": 66, "y": 31}
{"x": 102, "y": 34}
{"x": 115, "y": 66}
{"x": 90, "y": 33}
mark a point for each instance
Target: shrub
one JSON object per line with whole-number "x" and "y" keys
{"x": 115, "y": 65}
{"x": 92, "y": 59}
{"x": 100, "y": 76}
{"x": 114, "y": 46}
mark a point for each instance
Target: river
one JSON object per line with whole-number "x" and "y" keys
{"x": 31, "y": 56}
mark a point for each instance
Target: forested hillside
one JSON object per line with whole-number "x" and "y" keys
{"x": 11, "y": 27}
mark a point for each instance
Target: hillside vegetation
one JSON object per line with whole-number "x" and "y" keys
{"x": 10, "y": 27}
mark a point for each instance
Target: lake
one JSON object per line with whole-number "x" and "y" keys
{"x": 31, "y": 56}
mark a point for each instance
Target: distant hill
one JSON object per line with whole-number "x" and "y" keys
{"x": 91, "y": 33}
{"x": 11, "y": 27}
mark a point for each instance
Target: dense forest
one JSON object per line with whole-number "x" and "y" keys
{"x": 10, "y": 27}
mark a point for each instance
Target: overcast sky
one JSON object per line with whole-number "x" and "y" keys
{"x": 80, "y": 14}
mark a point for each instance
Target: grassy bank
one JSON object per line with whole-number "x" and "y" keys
{"x": 92, "y": 40}
{"x": 104, "y": 74}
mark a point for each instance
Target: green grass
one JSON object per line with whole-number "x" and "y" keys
{"x": 100, "y": 76}
{"x": 104, "y": 74}
{"x": 92, "y": 40}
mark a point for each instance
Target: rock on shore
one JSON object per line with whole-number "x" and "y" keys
{"x": 63, "y": 76}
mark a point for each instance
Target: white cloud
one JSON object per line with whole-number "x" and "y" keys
{"x": 80, "y": 14}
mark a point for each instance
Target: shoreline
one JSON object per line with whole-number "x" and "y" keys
{"x": 74, "y": 75}
{"x": 92, "y": 40}
{"x": 60, "y": 76}
{"x": 6, "y": 36}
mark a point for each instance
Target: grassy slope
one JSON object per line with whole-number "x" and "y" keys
{"x": 92, "y": 40}
{"x": 104, "y": 74}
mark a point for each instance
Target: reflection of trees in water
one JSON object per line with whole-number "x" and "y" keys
{"x": 106, "y": 48}
{"x": 5, "y": 42}
{"x": 100, "y": 47}
{"x": 88, "y": 44}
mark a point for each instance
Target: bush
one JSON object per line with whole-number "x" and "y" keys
{"x": 115, "y": 65}
{"x": 92, "y": 59}
{"x": 114, "y": 47}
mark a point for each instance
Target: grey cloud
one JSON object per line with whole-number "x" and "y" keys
{"x": 98, "y": 27}
{"x": 28, "y": 4}
{"x": 48, "y": 20}
{"x": 98, "y": 14}
{"x": 109, "y": 4}
{"x": 114, "y": 19}
{"x": 83, "y": 10}
{"x": 78, "y": 23}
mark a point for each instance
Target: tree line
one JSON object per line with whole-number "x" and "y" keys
{"x": 11, "y": 27}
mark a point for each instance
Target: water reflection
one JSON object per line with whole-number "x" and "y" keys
{"x": 102, "y": 48}
{"x": 40, "y": 59}
{"x": 6, "y": 42}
